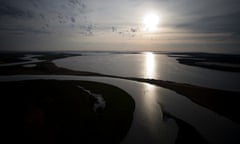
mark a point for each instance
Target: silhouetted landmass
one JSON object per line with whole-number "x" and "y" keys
{"x": 43, "y": 68}
{"x": 223, "y": 62}
{"x": 220, "y": 101}
{"x": 61, "y": 112}
{"x": 187, "y": 134}
{"x": 11, "y": 58}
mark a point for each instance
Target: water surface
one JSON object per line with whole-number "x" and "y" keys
{"x": 151, "y": 102}
{"x": 150, "y": 65}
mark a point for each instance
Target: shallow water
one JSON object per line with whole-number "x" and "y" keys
{"x": 29, "y": 65}
{"x": 99, "y": 103}
{"x": 30, "y": 61}
{"x": 148, "y": 125}
{"x": 151, "y": 101}
{"x": 150, "y": 65}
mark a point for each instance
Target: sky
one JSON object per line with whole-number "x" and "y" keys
{"x": 184, "y": 25}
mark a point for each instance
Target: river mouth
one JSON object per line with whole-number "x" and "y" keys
{"x": 165, "y": 111}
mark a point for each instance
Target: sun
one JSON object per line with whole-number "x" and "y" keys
{"x": 150, "y": 22}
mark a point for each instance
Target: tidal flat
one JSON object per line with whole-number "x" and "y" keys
{"x": 53, "y": 96}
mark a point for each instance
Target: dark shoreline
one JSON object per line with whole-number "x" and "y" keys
{"x": 187, "y": 134}
{"x": 220, "y": 101}
{"x": 59, "y": 112}
{"x": 221, "y": 62}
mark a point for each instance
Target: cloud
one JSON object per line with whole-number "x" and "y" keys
{"x": 114, "y": 29}
{"x": 75, "y": 2}
{"x": 222, "y": 23}
{"x": 7, "y": 10}
{"x": 73, "y": 19}
{"x": 120, "y": 20}
{"x": 22, "y": 30}
{"x": 133, "y": 30}
{"x": 87, "y": 29}
{"x": 35, "y": 16}
{"x": 78, "y": 3}
{"x": 34, "y": 3}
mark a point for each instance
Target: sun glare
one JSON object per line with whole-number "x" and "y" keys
{"x": 149, "y": 65}
{"x": 150, "y": 22}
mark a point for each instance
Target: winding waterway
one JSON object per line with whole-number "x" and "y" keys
{"x": 151, "y": 101}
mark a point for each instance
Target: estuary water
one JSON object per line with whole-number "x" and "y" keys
{"x": 154, "y": 66}
{"x": 152, "y": 102}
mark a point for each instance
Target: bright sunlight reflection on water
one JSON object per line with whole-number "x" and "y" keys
{"x": 150, "y": 106}
{"x": 149, "y": 65}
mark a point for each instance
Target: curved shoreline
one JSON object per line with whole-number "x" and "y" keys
{"x": 221, "y": 62}
{"x": 221, "y": 101}
{"x": 57, "y": 111}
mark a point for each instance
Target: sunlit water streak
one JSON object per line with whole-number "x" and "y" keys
{"x": 150, "y": 65}
{"x": 148, "y": 126}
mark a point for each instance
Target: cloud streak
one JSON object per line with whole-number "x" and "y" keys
{"x": 22, "y": 31}
{"x": 94, "y": 20}
{"x": 7, "y": 10}
{"x": 221, "y": 23}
